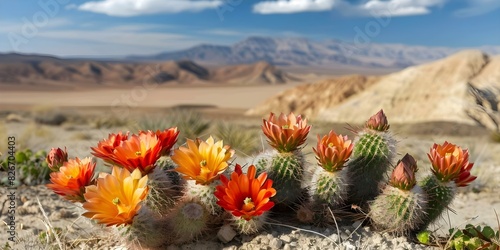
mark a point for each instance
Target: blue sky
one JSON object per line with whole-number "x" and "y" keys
{"x": 124, "y": 27}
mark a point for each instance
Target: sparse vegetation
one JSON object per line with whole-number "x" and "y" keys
{"x": 241, "y": 139}
{"x": 34, "y": 136}
{"x": 109, "y": 122}
{"x": 48, "y": 115}
{"x": 190, "y": 123}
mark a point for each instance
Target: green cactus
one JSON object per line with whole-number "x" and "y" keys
{"x": 370, "y": 162}
{"x": 398, "y": 211}
{"x": 440, "y": 195}
{"x": 146, "y": 231}
{"x": 205, "y": 194}
{"x": 401, "y": 206}
{"x": 188, "y": 220}
{"x": 162, "y": 193}
{"x": 286, "y": 170}
{"x": 329, "y": 187}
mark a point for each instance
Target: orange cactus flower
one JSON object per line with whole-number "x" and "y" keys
{"x": 106, "y": 148}
{"x": 139, "y": 151}
{"x": 403, "y": 176}
{"x": 286, "y": 133}
{"x": 202, "y": 161}
{"x": 449, "y": 161}
{"x": 167, "y": 137}
{"x": 378, "y": 122}
{"x": 117, "y": 197}
{"x": 56, "y": 158}
{"x": 71, "y": 179}
{"x": 244, "y": 195}
{"x": 333, "y": 151}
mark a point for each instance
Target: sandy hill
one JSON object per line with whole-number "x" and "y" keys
{"x": 439, "y": 91}
{"x": 20, "y": 70}
{"x": 312, "y": 98}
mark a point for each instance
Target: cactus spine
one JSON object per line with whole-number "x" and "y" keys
{"x": 440, "y": 196}
{"x": 286, "y": 170}
{"x": 188, "y": 220}
{"x": 330, "y": 183}
{"x": 450, "y": 169}
{"x": 286, "y": 165}
{"x": 146, "y": 230}
{"x": 329, "y": 187}
{"x": 371, "y": 159}
{"x": 251, "y": 226}
{"x": 162, "y": 193}
{"x": 401, "y": 206}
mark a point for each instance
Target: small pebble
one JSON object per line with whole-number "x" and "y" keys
{"x": 275, "y": 243}
{"x": 285, "y": 238}
{"x": 226, "y": 233}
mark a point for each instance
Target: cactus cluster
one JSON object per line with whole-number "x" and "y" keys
{"x": 154, "y": 188}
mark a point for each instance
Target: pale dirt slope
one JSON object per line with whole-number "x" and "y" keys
{"x": 437, "y": 91}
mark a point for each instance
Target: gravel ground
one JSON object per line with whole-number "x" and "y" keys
{"x": 80, "y": 233}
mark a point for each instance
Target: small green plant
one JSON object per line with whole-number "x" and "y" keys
{"x": 31, "y": 168}
{"x": 474, "y": 237}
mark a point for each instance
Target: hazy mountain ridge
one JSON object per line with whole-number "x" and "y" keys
{"x": 304, "y": 52}
{"x": 38, "y": 70}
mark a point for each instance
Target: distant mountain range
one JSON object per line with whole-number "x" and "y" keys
{"x": 17, "y": 70}
{"x": 304, "y": 52}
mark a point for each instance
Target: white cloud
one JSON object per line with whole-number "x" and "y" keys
{"x": 399, "y": 7}
{"x": 126, "y": 8}
{"x": 366, "y": 8}
{"x": 292, "y": 6}
{"x": 478, "y": 7}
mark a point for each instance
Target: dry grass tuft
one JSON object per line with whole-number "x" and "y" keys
{"x": 48, "y": 115}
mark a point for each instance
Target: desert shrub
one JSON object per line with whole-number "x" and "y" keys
{"x": 82, "y": 136}
{"x": 31, "y": 168}
{"x": 48, "y": 116}
{"x": 241, "y": 139}
{"x": 109, "y": 122}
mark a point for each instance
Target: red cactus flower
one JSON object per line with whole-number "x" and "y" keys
{"x": 71, "y": 179}
{"x": 403, "y": 176}
{"x": 333, "y": 151}
{"x": 138, "y": 151}
{"x": 244, "y": 195}
{"x": 167, "y": 137}
{"x": 286, "y": 133}
{"x": 464, "y": 178}
{"x": 56, "y": 158}
{"x": 106, "y": 148}
{"x": 378, "y": 122}
{"x": 449, "y": 162}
